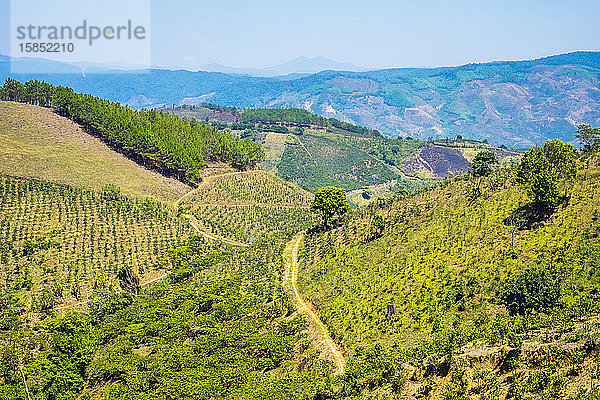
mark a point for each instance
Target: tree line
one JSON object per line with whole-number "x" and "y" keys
{"x": 173, "y": 145}
{"x": 300, "y": 117}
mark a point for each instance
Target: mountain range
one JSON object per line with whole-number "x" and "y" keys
{"x": 298, "y": 66}
{"x": 514, "y": 103}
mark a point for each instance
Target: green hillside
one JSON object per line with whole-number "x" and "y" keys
{"x": 440, "y": 278}
{"x": 482, "y": 285}
{"x": 37, "y": 143}
{"x": 58, "y": 243}
{"x": 245, "y": 206}
{"x": 119, "y": 296}
{"x": 312, "y": 151}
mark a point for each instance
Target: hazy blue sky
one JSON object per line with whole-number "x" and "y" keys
{"x": 376, "y": 33}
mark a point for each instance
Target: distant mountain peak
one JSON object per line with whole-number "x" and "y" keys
{"x": 298, "y": 65}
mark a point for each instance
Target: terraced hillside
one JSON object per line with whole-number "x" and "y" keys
{"x": 244, "y": 206}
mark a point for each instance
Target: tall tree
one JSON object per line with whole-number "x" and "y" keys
{"x": 330, "y": 203}
{"x": 535, "y": 172}
{"x": 482, "y": 163}
{"x": 561, "y": 158}
{"x": 589, "y": 137}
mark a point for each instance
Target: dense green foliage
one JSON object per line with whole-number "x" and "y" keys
{"x": 221, "y": 330}
{"x": 330, "y": 204}
{"x": 482, "y": 163}
{"x": 301, "y": 117}
{"x": 377, "y": 226}
{"x": 589, "y": 137}
{"x": 168, "y": 143}
{"x": 541, "y": 168}
{"x": 530, "y": 291}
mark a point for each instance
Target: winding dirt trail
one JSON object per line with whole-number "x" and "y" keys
{"x": 193, "y": 223}
{"x": 326, "y": 344}
{"x": 192, "y": 219}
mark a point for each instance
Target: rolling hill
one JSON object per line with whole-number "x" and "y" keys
{"x": 426, "y": 308}
{"x": 312, "y": 151}
{"x": 37, "y": 143}
{"x": 515, "y": 103}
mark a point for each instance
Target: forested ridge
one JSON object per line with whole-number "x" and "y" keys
{"x": 300, "y": 117}
{"x": 170, "y": 144}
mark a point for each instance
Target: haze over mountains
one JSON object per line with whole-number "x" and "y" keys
{"x": 299, "y": 65}
{"x": 515, "y": 103}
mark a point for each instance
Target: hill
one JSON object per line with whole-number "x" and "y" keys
{"x": 312, "y": 151}
{"x": 59, "y": 243}
{"x": 38, "y": 143}
{"x": 429, "y": 297}
{"x": 515, "y": 103}
{"x": 105, "y": 287}
{"x": 462, "y": 288}
{"x": 244, "y": 206}
{"x": 100, "y": 283}
{"x": 174, "y": 146}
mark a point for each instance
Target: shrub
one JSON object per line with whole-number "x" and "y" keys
{"x": 533, "y": 290}
{"x": 111, "y": 192}
{"x": 482, "y": 164}
{"x": 377, "y": 226}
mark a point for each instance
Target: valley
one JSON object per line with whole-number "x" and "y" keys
{"x": 211, "y": 252}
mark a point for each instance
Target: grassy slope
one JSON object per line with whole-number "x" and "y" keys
{"x": 442, "y": 262}
{"x": 37, "y": 143}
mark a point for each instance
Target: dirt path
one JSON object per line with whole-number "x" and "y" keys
{"x": 306, "y": 150}
{"x": 206, "y": 181}
{"x": 322, "y": 338}
{"x": 194, "y": 225}
{"x": 192, "y": 219}
{"x": 207, "y": 235}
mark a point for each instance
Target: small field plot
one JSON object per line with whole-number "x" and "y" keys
{"x": 244, "y": 206}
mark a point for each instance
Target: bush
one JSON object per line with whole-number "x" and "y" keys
{"x": 377, "y": 226}
{"x": 111, "y": 192}
{"x": 533, "y": 290}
